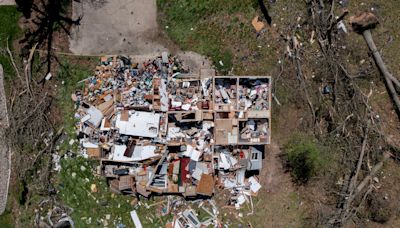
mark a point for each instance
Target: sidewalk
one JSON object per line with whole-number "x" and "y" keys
{"x": 5, "y": 162}
{"x": 7, "y": 2}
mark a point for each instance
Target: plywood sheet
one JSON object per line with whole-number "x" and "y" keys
{"x": 125, "y": 115}
{"x": 206, "y": 185}
{"x": 93, "y": 152}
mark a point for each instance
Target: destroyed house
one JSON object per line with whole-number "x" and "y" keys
{"x": 157, "y": 129}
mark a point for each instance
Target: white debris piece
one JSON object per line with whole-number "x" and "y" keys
{"x": 56, "y": 162}
{"x": 136, "y": 219}
{"x": 144, "y": 152}
{"x": 240, "y": 200}
{"x": 195, "y": 156}
{"x": 95, "y": 116}
{"x": 164, "y": 95}
{"x": 48, "y": 76}
{"x": 176, "y": 104}
{"x": 85, "y": 118}
{"x": 340, "y": 25}
{"x": 224, "y": 94}
{"x": 240, "y": 176}
{"x": 204, "y": 83}
{"x": 118, "y": 153}
{"x": 189, "y": 151}
{"x": 145, "y": 124}
{"x": 186, "y": 107}
{"x": 197, "y": 173}
{"x": 228, "y": 183}
{"x": 226, "y": 161}
{"x": 87, "y": 144}
{"x": 254, "y": 185}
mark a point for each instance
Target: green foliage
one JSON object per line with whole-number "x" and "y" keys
{"x": 9, "y": 31}
{"x": 6, "y": 220}
{"x": 303, "y": 156}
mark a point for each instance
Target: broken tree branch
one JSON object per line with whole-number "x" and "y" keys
{"x": 301, "y": 78}
{"x": 345, "y": 210}
{"x": 12, "y": 60}
{"x": 28, "y": 70}
{"x": 360, "y": 161}
{"x": 373, "y": 172}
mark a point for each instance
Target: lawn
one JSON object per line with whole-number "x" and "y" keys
{"x": 71, "y": 71}
{"x": 9, "y": 31}
{"x": 222, "y": 30}
{"x": 92, "y": 208}
{"x": 203, "y": 26}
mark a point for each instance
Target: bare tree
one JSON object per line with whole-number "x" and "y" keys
{"x": 48, "y": 15}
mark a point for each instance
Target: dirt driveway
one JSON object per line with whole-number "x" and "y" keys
{"x": 116, "y": 26}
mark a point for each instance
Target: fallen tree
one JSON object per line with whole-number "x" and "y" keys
{"x": 343, "y": 115}
{"x": 363, "y": 24}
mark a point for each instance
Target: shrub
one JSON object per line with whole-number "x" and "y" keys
{"x": 303, "y": 157}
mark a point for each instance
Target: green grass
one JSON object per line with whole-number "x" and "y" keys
{"x": 222, "y": 30}
{"x": 76, "y": 193}
{"x": 6, "y": 220}
{"x": 71, "y": 71}
{"x": 204, "y": 26}
{"x": 9, "y": 31}
{"x": 9, "y": 17}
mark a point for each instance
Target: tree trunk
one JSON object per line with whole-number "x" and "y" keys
{"x": 382, "y": 67}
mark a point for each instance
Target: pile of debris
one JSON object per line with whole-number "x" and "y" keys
{"x": 253, "y": 94}
{"x": 225, "y": 93}
{"x": 196, "y": 213}
{"x": 157, "y": 129}
{"x": 189, "y": 93}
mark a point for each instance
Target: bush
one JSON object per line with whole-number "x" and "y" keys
{"x": 303, "y": 157}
